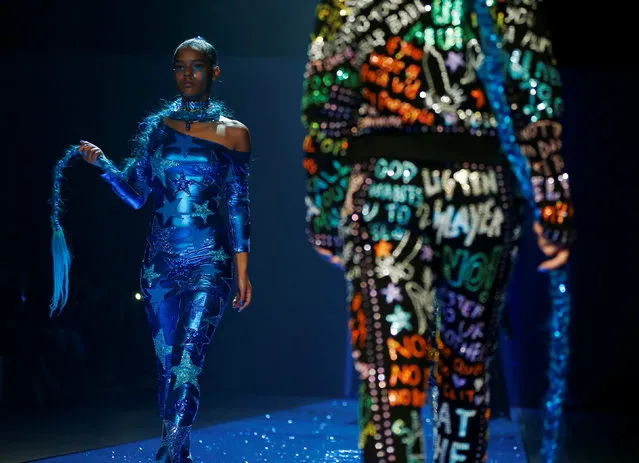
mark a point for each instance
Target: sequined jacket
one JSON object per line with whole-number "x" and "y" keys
{"x": 383, "y": 73}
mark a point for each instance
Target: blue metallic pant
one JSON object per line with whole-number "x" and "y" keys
{"x": 183, "y": 321}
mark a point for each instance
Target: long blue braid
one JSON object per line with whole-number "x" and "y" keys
{"x": 59, "y": 247}
{"x": 492, "y": 72}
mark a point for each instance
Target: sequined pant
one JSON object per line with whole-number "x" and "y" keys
{"x": 428, "y": 252}
{"x": 183, "y": 312}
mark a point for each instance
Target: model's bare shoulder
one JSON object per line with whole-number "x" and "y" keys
{"x": 239, "y": 132}
{"x": 232, "y": 123}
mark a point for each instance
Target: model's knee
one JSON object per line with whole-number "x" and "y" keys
{"x": 182, "y": 405}
{"x": 183, "y": 409}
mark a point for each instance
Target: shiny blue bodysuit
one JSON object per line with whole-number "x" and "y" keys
{"x": 187, "y": 270}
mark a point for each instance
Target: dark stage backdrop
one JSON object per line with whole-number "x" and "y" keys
{"x": 76, "y": 71}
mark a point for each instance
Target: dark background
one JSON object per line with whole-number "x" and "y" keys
{"x": 91, "y": 71}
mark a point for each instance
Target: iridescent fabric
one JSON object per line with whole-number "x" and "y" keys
{"x": 187, "y": 271}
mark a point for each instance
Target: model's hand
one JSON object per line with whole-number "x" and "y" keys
{"x": 244, "y": 293}
{"x": 558, "y": 255}
{"x": 90, "y": 152}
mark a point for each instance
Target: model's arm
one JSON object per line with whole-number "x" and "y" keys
{"x": 330, "y": 102}
{"x": 237, "y": 193}
{"x": 534, "y": 92}
{"x": 132, "y": 183}
{"x": 238, "y": 205}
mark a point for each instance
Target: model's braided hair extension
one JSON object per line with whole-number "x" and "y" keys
{"x": 59, "y": 247}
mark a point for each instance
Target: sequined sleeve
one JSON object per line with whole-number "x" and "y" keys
{"x": 534, "y": 90}
{"x": 330, "y": 101}
{"x": 238, "y": 201}
{"x": 132, "y": 183}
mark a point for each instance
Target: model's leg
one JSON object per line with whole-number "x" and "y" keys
{"x": 201, "y": 310}
{"x": 476, "y": 229}
{"x": 163, "y": 312}
{"x": 391, "y": 312}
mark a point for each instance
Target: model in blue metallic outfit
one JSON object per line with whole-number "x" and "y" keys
{"x": 190, "y": 157}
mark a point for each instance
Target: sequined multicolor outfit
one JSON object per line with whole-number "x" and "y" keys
{"x": 409, "y": 188}
{"x": 187, "y": 271}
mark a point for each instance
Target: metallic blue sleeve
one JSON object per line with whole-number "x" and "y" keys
{"x": 133, "y": 183}
{"x": 238, "y": 201}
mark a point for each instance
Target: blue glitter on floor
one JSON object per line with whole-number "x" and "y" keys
{"x": 324, "y": 432}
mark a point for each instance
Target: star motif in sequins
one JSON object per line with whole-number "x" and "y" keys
{"x": 186, "y": 372}
{"x": 181, "y": 183}
{"x": 454, "y": 61}
{"x": 159, "y": 239}
{"x": 159, "y": 166}
{"x": 383, "y": 248}
{"x": 201, "y": 210}
{"x": 392, "y": 293}
{"x": 198, "y": 339}
{"x": 426, "y": 253}
{"x": 162, "y": 349}
{"x": 209, "y": 174}
{"x": 399, "y": 320}
{"x": 150, "y": 275}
